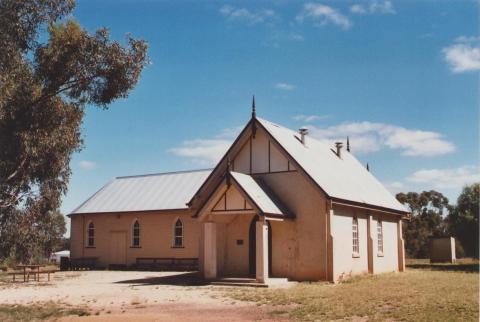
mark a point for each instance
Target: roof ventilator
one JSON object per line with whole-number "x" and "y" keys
{"x": 339, "y": 146}
{"x": 303, "y": 134}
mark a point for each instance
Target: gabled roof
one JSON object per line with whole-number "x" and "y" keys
{"x": 263, "y": 199}
{"x": 342, "y": 178}
{"x": 162, "y": 191}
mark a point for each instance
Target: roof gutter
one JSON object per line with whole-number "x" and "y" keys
{"x": 348, "y": 203}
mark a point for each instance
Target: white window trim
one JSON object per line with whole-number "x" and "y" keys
{"x": 355, "y": 254}
{"x": 87, "y": 232}
{"x": 380, "y": 233}
{"x": 174, "y": 233}
{"x": 132, "y": 244}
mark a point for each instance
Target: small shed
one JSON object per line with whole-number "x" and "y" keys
{"x": 442, "y": 249}
{"x": 55, "y": 257}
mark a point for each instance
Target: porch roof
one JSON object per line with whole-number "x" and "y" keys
{"x": 260, "y": 195}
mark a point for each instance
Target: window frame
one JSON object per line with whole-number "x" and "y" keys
{"x": 90, "y": 228}
{"x": 355, "y": 238}
{"x": 181, "y": 236}
{"x": 136, "y": 222}
{"x": 380, "y": 238}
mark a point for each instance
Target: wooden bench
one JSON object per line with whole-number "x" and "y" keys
{"x": 167, "y": 263}
{"x": 15, "y": 273}
{"x": 83, "y": 263}
{"x": 36, "y": 275}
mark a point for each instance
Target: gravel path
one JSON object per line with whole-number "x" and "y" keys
{"x": 139, "y": 296}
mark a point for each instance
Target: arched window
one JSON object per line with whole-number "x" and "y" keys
{"x": 178, "y": 234}
{"x": 355, "y": 245}
{"x": 90, "y": 235}
{"x": 136, "y": 234}
{"x": 380, "y": 237}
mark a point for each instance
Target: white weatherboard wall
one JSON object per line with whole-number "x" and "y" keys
{"x": 344, "y": 264}
{"x": 389, "y": 261}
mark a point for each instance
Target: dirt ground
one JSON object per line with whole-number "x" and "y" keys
{"x": 138, "y": 296}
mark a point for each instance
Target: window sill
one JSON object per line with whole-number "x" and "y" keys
{"x": 355, "y": 255}
{"x": 178, "y": 247}
{"x": 90, "y": 247}
{"x": 135, "y": 246}
{"x": 379, "y": 254}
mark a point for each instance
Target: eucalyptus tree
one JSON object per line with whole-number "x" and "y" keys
{"x": 50, "y": 70}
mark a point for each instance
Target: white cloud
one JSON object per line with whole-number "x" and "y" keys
{"x": 285, "y": 86}
{"x": 373, "y": 7}
{"x": 468, "y": 39}
{"x": 323, "y": 15}
{"x": 87, "y": 165}
{"x": 446, "y": 178}
{"x": 206, "y": 152}
{"x": 368, "y": 137}
{"x": 296, "y": 37}
{"x": 464, "y": 54}
{"x": 394, "y": 186}
{"x": 309, "y": 118}
{"x": 358, "y": 9}
{"x": 230, "y": 133}
{"x": 248, "y": 16}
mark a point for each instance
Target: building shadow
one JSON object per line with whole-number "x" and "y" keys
{"x": 180, "y": 279}
{"x": 467, "y": 268}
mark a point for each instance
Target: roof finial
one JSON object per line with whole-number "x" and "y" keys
{"x": 254, "y": 112}
{"x": 368, "y": 168}
{"x": 348, "y": 144}
{"x": 227, "y": 173}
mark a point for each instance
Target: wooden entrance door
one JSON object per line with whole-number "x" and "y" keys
{"x": 118, "y": 248}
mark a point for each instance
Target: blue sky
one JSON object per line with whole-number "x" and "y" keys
{"x": 399, "y": 77}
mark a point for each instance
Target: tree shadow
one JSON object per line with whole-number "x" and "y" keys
{"x": 467, "y": 268}
{"x": 181, "y": 279}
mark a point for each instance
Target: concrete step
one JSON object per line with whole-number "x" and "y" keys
{"x": 239, "y": 283}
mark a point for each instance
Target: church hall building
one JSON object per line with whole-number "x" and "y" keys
{"x": 278, "y": 204}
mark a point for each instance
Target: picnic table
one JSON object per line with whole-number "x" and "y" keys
{"x": 35, "y": 268}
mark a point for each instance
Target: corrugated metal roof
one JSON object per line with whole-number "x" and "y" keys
{"x": 257, "y": 194}
{"x": 344, "y": 178}
{"x": 160, "y": 191}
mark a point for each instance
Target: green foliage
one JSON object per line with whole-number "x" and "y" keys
{"x": 44, "y": 88}
{"x": 459, "y": 251}
{"x": 428, "y": 209}
{"x": 463, "y": 219}
{"x": 28, "y": 237}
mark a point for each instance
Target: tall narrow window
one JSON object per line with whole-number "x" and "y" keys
{"x": 91, "y": 235}
{"x": 380, "y": 237}
{"x": 136, "y": 234}
{"x": 178, "y": 234}
{"x": 355, "y": 245}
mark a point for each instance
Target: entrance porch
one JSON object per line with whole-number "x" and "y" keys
{"x": 240, "y": 248}
{"x": 237, "y": 234}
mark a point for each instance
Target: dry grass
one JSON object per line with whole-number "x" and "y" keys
{"x": 3, "y": 277}
{"x": 37, "y": 312}
{"x": 436, "y": 293}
